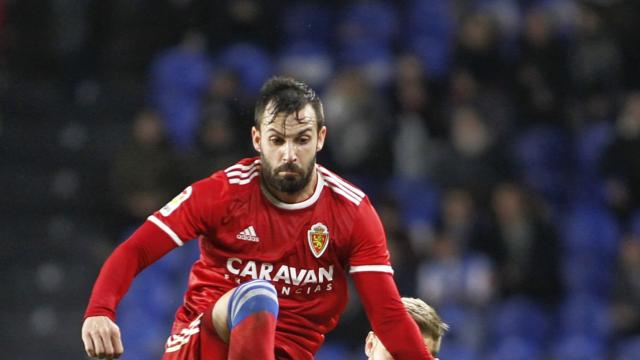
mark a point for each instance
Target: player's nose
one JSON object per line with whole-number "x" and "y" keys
{"x": 289, "y": 153}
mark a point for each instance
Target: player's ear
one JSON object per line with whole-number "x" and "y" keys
{"x": 368, "y": 344}
{"x": 322, "y": 134}
{"x": 255, "y": 138}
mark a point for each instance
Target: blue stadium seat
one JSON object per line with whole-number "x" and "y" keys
{"x": 307, "y": 22}
{"x": 584, "y": 274}
{"x": 453, "y": 350}
{"x": 628, "y": 349}
{"x": 584, "y": 315}
{"x": 579, "y": 348}
{"x": 251, "y": 62}
{"x": 419, "y": 200}
{"x": 372, "y": 20}
{"x": 634, "y": 223}
{"x": 375, "y": 59}
{"x": 590, "y": 229}
{"x": 522, "y": 318}
{"x": 515, "y": 348}
{"x": 541, "y": 155}
{"x": 430, "y": 40}
{"x": 333, "y": 350}
{"x": 589, "y": 146}
{"x": 307, "y": 61}
{"x": 178, "y": 80}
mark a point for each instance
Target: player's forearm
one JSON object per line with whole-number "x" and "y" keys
{"x": 144, "y": 247}
{"x": 388, "y": 316}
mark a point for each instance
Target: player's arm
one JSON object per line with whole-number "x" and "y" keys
{"x": 373, "y": 278}
{"x": 180, "y": 220}
{"x": 100, "y": 334}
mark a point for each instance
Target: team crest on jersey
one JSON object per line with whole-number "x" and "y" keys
{"x": 173, "y": 204}
{"x": 318, "y": 239}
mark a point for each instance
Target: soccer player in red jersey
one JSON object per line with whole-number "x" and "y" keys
{"x": 278, "y": 236}
{"x": 431, "y": 326}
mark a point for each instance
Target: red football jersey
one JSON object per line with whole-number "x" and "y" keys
{"x": 305, "y": 249}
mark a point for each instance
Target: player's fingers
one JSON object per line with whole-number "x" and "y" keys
{"x": 98, "y": 346}
{"x": 89, "y": 348}
{"x": 116, "y": 339}
{"x": 105, "y": 335}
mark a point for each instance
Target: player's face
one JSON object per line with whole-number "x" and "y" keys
{"x": 288, "y": 144}
{"x": 375, "y": 350}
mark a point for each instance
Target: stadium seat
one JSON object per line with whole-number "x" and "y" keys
{"x": 584, "y": 274}
{"x": 589, "y": 146}
{"x": 628, "y": 349}
{"x": 591, "y": 229}
{"x": 372, "y": 20}
{"x": 634, "y": 223}
{"x": 419, "y": 200}
{"x": 515, "y": 348}
{"x": 453, "y": 350}
{"x": 333, "y": 350}
{"x": 430, "y": 40}
{"x": 583, "y": 315}
{"x": 250, "y": 61}
{"x": 541, "y": 155}
{"x": 308, "y": 62}
{"x": 307, "y": 21}
{"x": 522, "y": 318}
{"x": 373, "y": 58}
{"x": 578, "y": 348}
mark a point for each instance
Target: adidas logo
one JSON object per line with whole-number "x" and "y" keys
{"x": 248, "y": 234}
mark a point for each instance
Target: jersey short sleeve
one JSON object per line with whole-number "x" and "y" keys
{"x": 190, "y": 213}
{"x": 369, "y": 243}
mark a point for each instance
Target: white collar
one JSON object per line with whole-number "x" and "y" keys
{"x": 296, "y": 206}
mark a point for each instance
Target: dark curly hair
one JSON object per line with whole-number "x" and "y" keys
{"x": 288, "y": 96}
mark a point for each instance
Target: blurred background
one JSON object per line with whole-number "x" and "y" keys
{"x": 498, "y": 139}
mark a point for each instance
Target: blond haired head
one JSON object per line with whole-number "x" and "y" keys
{"x": 429, "y": 322}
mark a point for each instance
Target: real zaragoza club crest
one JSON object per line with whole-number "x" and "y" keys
{"x": 318, "y": 239}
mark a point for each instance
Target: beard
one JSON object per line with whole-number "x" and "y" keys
{"x": 290, "y": 183}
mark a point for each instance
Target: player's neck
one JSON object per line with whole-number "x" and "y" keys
{"x": 298, "y": 197}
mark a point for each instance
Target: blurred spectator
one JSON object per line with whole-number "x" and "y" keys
{"x": 478, "y": 50}
{"x": 224, "y": 93}
{"x": 359, "y": 125}
{"x": 145, "y": 173}
{"x": 216, "y": 145}
{"x": 453, "y": 277}
{"x": 415, "y": 92}
{"x": 418, "y": 122}
{"x": 459, "y": 218}
{"x": 402, "y": 255}
{"x": 625, "y": 311}
{"x": 523, "y": 245}
{"x": 238, "y": 21}
{"x": 179, "y": 77}
{"x": 472, "y": 160}
{"x": 621, "y": 163}
{"x": 541, "y": 71}
{"x": 594, "y": 57}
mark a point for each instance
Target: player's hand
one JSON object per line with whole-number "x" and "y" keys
{"x": 101, "y": 338}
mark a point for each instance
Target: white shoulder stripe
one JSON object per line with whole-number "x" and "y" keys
{"x": 338, "y": 190}
{"x": 244, "y": 181}
{"x": 374, "y": 268}
{"x": 333, "y": 183}
{"x": 241, "y": 174}
{"x": 242, "y": 167}
{"x": 354, "y": 189}
{"x": 166, "y": 229}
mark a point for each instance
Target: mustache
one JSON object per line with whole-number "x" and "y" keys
{"x": 290, "y": 167}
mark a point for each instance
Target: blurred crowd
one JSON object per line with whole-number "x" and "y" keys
{"x": 498, "y": 139}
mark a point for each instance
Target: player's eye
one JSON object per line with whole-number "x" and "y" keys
{"x": 303, "y": 140}
{"x": 276, "y": 140}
